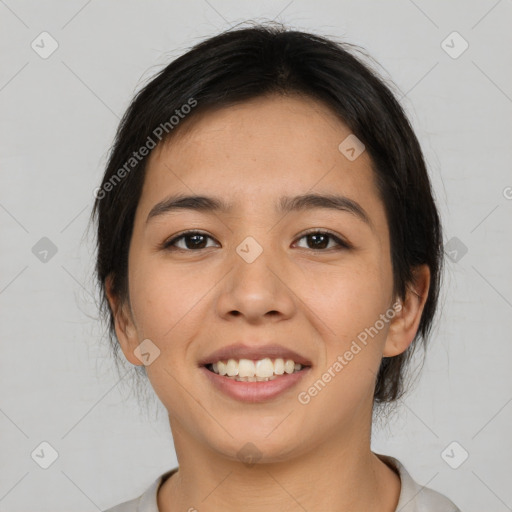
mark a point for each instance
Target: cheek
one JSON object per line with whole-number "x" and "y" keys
{"x": 349, "y": 297}
{"x": 349, "y": 302}
{"x": 353, "y": 338}
{"x": 165, "y": 297}
{"x": 168, "y": 304}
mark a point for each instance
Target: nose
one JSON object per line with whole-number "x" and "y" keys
{"x": 258, "y": 288}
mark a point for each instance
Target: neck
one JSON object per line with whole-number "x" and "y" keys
{"x": 341, "y": 475}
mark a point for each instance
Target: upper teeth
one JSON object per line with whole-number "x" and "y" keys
{"x": 260, "y": 368}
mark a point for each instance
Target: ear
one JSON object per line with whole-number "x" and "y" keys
{"x": 125, "y": 327}
{"x": 404, "y": 326}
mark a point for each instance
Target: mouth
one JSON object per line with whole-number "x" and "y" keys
{"x": 260, "y": 370}
{"x": 254, "y": 374}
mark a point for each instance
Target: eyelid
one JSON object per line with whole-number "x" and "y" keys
{"x": 189, "y": 232}
{"x": 340, "y": 241}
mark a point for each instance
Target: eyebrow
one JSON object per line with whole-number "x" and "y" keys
{"x": 286, "y": 204}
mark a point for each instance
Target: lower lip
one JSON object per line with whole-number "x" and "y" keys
{"x": 254, "y": 392}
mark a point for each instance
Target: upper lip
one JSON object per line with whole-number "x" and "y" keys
{"x": 242, "y": 351}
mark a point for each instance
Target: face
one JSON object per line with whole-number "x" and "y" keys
{"x": 309, "y": 279}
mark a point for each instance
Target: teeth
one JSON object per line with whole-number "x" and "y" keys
{"x": 232, "y": 368}
{"x": 221, "y": 368}
{"x": 246, "y": 368}
{"x": 254, "y": 379}
{"x": 279, "y": 367}
{"x": 289, "y": 366}
{"x": 264, "y": 368}
{"x": 261, "y": 370}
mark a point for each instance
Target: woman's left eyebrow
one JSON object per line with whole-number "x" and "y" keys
{"x": 286, "y": 204}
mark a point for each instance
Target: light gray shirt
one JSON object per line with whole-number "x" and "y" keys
{"x": 413, "y": 497}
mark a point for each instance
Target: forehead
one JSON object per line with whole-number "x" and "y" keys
{"x": 259, "y": 150}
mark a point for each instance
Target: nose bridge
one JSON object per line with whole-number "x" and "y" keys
{"x": 252, "y": 262}
{"x": 255, "y": 286}
{"x": 254, "y": 236}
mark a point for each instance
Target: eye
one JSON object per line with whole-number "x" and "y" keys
{"x": 196, "y": 238}
{"x": 320, "y": 240}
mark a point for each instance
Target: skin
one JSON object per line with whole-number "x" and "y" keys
{"x": 316, "y": 456}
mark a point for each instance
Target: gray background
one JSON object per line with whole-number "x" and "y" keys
{"x": 59, "y": 114}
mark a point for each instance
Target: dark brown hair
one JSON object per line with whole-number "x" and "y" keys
{"x": 245, "y": 63}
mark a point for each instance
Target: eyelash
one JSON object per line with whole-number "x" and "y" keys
{"x": 168, "y": 245}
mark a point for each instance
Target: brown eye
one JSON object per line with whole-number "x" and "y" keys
{"x": 192, "y": 240}
{"x": 319, "y": 240}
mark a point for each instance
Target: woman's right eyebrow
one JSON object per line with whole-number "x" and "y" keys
{"x": 286, "y": 204}
{"x": 181, "y": 202}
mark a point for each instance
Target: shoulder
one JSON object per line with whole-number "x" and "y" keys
{"x": 415, "y": 497}
{"x": 147, "y": 501}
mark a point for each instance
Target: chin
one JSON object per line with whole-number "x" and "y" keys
{"x": 252, "y": 444}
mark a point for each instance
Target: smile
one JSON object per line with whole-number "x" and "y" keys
{"x": 254, "y": 389}
{"x": 261, "y": 370}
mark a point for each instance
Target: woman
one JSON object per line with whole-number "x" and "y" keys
{"x": 269, "y": 253}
